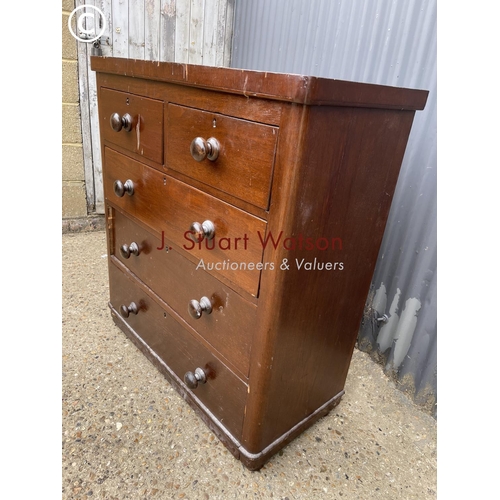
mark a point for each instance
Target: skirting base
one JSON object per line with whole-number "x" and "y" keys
{"x": 253, "y": 461}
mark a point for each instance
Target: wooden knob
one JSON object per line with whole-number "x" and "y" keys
{"x": 132, "y": 308}
{"x": 127, "y": 250}
{"x": 118, "y": 122}
{"x": 196, "y": 309}
{"x": 201, "y": 148}
{"x": 198, "y": 232}
{"x": 120, "y": 188}
{"x": 193, "y": 379}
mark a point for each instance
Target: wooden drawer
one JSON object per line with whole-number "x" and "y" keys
{"x": 224, "y": 394}
{"x": 169, "y": 205}
{"x": 245, "y": 161}
{"x": 228, "y": 328}
{"x": 146, "y": 135}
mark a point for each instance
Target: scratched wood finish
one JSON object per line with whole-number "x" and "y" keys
{"x": 145, "y": 138}
{"x": 256, "y": 110}
{"x": 224, "y": 394}
{"x": 163, "y": 271}
{"x": 245, "y": 162}
{"x": 300, "y": 89}
{"x": 339, "y": 150}
{"x": 154, "y": 30}
{"x": 166, "y": 204}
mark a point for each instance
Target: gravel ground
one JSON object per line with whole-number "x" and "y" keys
{"x": 128, "y": 435}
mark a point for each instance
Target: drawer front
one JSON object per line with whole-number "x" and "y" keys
{"x": 168, "y": 205}
{"x": 224, "y": 394}
{"x": 228, "y": 327}
{"x": 244, "y": 165}
{"x": 146, "y": 134}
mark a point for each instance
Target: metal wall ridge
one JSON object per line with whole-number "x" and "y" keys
{"x": 389, "y": 42}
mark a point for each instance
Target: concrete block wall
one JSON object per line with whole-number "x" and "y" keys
{"x": 74, "y": 201}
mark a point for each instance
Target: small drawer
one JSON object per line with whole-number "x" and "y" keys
{"x": 223, "y": 393}
{"x": 132, "y": 122}
{"x": 170, "y": 207}
{"x": 233, "y": 155}
{"x": 227, "y": 324}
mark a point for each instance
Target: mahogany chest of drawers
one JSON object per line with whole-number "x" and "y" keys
{"x": 245, "y": 211}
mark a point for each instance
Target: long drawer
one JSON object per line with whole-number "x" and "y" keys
{"x": 228, "y": 326}
{"x": 169, "y": 205}
{"x": 223, "y": 393}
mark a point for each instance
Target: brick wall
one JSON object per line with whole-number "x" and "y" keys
{"x": 74, "y": 202}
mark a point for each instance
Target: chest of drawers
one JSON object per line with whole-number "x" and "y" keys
{"x": 245, "y": 212}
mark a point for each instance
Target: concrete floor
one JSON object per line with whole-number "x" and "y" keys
{"x": 128, "y": 435}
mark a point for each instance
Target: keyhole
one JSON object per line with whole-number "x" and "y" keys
{"x": 128, "y": 101}
{"x": 214, "y": 123}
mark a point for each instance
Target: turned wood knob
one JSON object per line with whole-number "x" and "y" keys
{"x": 120, "y": 188}
{"x": 125, "y": 311}
{"x": 198, "y": 232}
{"x": 127, "y": 250}
{"x": 196, "y": 309}
{"x": 118, "y": 122}
{"x": 201, "y": 148}
{"x": 193, "y": 379}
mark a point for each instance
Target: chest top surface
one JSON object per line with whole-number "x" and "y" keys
{"x": 295, "y": 88}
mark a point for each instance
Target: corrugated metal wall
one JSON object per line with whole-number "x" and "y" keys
{"x": 390, "y": 42}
